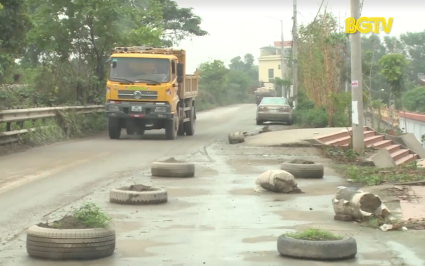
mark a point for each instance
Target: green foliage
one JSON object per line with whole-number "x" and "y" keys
{"x": 219, "y": 85}
{"x": 372, "y": 176}
{"x": 92, "y": 216}
{"x": 311, "y": 118}
{"x": 314, "y": 234}
{"x": 414, "y": 99}
{"x": 14, "y": 23}
{"x": 286, "y": 83}
{"x": 393, "y": 68}
{"x": 63, "y": 54}
{"x": 178, "y": 23}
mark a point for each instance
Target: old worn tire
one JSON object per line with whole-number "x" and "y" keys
{"x": 178, "y": 169}
{"x": 304, "y": 170}
{"x": 70, "y": 244}
{"x": 123, "y": 195}
{"x": 235, "y": 138}
{"x": 317, "y": 250}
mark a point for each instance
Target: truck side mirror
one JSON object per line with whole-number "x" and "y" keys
{"x": 179, "y": 73}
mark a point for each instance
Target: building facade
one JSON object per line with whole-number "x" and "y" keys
{"x": 269, "y": 63}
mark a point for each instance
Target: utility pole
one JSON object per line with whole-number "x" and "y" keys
{"x": 295, "y": 55}
{"x": 356, "y": 82}
{"x": 282, "y": 58}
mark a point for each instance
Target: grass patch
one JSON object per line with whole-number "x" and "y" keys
{"x": 346, "y": 155}
{"x": 87, "y": 216}
{"x": 372, "y": 176}
{"x": 376, "y": 222}
{"x": 92, "y": 216}
{"x": 314, "y": 234}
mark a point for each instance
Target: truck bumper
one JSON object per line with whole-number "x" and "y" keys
{"x": 149, "y": 111}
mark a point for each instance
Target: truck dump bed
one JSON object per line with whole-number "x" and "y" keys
{"x": 190, "y": 85}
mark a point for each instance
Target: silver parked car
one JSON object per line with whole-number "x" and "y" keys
{"x": 274, "y": 109}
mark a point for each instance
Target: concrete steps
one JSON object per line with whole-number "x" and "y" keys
{"x": 373, "y": 140}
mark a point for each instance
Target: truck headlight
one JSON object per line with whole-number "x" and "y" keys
{"x": 161, "y": 109}
{"x": 114, "y": 108}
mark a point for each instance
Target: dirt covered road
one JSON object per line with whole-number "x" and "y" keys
{"x": 215, "y": 218}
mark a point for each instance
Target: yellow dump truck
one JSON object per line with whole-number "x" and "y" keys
{"x": 148, "y": 88}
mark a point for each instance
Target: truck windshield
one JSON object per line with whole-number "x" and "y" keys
{"x": 140, "y": 69}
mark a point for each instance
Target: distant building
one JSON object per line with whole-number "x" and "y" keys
{"x": 269, "y": 62}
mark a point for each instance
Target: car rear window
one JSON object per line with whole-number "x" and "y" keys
{"x": 276, "y": 100}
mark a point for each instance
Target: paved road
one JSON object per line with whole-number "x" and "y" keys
{"x": 38, "y": 181}
{"x": 215, "y": 218}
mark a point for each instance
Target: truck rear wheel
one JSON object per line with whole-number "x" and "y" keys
{"x": 140, "y": 130}
{"x": 114, "y": 128}
{"x": 189, "y": 126}
{"x": 171, "y": 128}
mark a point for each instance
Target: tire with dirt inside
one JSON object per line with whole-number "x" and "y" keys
{"x": 70, "y": 244}
{"x": 303, "y": 170}
{"x": 128, "y": 195}
{"x": 317, "y": 250}
{"x": 172, "y": 168}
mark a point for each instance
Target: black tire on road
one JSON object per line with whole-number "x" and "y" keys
{"x": 189, "y": 126}
{"x": 114, "y": 128}
{"x": 180, "y": 132}
{"x": 130, "y": 131}
{"x": 140, "y": 130}
{"x": 259, "y": 122}
{"x": 171, "y": 128}
{"x": 304, "y": 170}
{"x": 180, "y": 169}
{"x": 123, "y": 195}
{"x": 317, "y": 250}
{"x": 70, "y": 244}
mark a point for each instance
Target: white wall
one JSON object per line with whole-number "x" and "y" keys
{"x": 415, "y": 127}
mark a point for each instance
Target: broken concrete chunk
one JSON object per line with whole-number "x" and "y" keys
{"x": 278, "y": 181}
{"x": 358, "y": 204}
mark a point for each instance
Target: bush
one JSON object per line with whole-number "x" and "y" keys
{"x": 316, "y": 117}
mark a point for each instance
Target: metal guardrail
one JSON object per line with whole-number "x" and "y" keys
{"x": 20, "y": 115}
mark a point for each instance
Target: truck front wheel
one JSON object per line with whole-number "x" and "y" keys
{"x": 171, "y": 128}
{"x": 114, "y": 128}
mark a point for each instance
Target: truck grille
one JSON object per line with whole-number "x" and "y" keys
{"x": 127, "y": 94}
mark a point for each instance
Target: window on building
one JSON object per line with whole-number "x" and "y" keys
{"x": 271, "y": 73}
{"x": 278, "y": 66}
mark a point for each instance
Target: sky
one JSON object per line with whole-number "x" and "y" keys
{"x": 238, "y": 27}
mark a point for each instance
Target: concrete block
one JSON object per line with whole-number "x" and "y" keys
{"x": 412, "y": 143}
{"x": 383, "y": 159}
